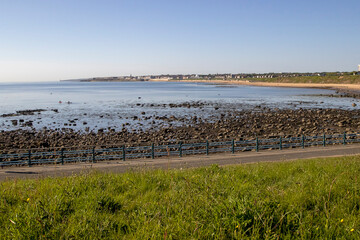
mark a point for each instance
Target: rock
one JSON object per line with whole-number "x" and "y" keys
{"x": 233, "y": 124}
{"x": 28, "y": 123}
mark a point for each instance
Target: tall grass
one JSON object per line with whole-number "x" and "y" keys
{"x": 307, "y": 199}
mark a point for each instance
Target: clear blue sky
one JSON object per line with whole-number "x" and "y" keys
{"x": 45, "y": 40}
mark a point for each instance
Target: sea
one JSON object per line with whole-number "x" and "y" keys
{"x": 93, "y": 105}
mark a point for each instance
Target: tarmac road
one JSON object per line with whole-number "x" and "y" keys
{"x": 115, "y": 166}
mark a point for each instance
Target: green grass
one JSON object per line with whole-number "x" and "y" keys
{"x": 347, "y": 79}
{"x": 307, "y": 199}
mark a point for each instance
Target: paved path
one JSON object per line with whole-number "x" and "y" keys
{"x": 177, "y": 162}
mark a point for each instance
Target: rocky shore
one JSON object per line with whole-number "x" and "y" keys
{"x": 231, "y": 124}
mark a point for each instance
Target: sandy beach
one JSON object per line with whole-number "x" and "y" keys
{"x": 340, "y": 87}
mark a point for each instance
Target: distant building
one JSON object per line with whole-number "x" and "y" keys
{"x": 359, "y": 68}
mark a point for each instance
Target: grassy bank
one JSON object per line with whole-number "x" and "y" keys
{"x": 309, "y": 199}
{"x": 346, "y": 79}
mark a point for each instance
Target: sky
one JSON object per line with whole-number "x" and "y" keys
{"x": 50, "y": 40}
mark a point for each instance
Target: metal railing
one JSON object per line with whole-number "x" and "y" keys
{"x": 67, "y": 155}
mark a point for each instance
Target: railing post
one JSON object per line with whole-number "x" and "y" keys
{"x": 93, "y": 155}
{"x": 180, "y": 149}
{"x": 280, "y": 143}
{"x": 62, "y": 156}
{"x": 29, "y": 158}
{"x": 152, "y": 151}
{"x": 123, "y": 152}
{"x": 344, "y": 140}
{"x": 303, "y": 141}
{"x": 257, "y": 144}
{"x": 207, "y": 147}
{"x": 233, "y": 146}
{"x": 324, "y": 140}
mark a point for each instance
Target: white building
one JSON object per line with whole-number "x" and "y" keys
{"x": 359, "y": 68}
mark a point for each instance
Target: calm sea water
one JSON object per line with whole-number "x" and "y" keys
{"x": 112, "y": 104}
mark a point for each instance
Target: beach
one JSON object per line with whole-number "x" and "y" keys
{"x": 132, "y": 113}
{"x": 341, "y": 87}
{"x": 240, "y": 125}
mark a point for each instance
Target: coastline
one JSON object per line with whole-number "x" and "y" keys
{"x": 347, "y": 88}
{"x": 334, "y": 86}
{"x": 225, "y": 124}
{"x": 220, "y": 121}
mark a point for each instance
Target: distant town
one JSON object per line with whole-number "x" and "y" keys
{"x": 226, "y": 76}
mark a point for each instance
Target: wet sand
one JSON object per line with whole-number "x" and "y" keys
{"x": 353, "y": 88}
